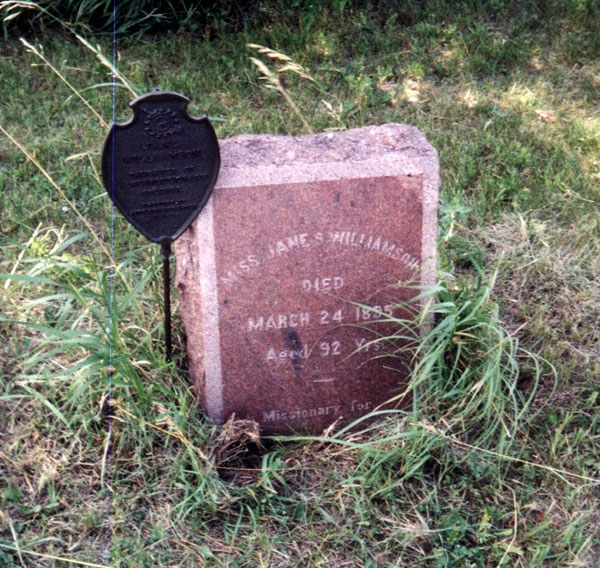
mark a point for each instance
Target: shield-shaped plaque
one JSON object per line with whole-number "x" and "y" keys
{"x": 160, "y": 167}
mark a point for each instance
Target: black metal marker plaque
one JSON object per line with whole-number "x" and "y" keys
{"x": 160, "y": 167}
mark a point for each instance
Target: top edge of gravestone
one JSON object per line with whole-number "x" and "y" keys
{"x": 349, "y": 146}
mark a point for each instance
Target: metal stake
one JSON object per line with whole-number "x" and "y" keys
{"x": 166, "y": 253}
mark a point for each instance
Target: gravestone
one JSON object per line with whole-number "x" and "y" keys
{"x": 300, "y": 249}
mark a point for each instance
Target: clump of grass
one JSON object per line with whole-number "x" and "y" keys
{"x": 468, "y": 376}
{"x": 471, "y": 370}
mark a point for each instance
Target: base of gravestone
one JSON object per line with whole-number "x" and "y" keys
{"x": 302, "y": 245}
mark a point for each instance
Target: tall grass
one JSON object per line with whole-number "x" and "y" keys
{"x": 497, "y": 462}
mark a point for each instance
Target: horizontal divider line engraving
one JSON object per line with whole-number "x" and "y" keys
{"x": 159, "y": 208}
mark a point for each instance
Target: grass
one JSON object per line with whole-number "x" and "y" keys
{"x": 497, "y": 464}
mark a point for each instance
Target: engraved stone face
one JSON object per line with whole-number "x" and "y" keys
{"x": 160, "y": 167}
{"x": 286, "y": 270}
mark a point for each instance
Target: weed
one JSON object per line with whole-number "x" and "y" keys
{"x": 272, "y": 78}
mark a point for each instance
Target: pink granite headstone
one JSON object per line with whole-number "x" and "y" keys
{"x": 301, "y": 247}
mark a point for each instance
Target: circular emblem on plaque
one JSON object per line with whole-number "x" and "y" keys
{"x": 162, "y": 122}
